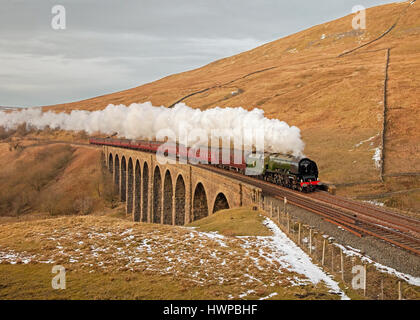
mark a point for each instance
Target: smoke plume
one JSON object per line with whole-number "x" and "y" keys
{"x": 144, "y": 121}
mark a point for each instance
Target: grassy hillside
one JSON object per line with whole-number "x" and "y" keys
{"x": 336, "y": 101}
{"x": 108, "y": 257}
{"x": 111, "y": 258}
{"x": 41, "y": 177}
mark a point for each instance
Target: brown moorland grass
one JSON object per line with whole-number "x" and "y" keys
{"x": 24, "y": 179}
{"x": 110, "y": 258}
{"x": 233, "y": 222}
{"x": 399, "y": 193}
{"x": 53, "y": 178}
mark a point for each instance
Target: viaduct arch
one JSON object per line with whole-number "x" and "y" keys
{"x": 137, "y": 193}
{"x": 173, "y": 194}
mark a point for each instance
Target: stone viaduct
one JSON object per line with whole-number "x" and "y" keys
{"x": 174, "y": 194}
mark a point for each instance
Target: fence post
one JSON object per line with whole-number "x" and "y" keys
{"x": 323, "y": 252}
{"x": 332, "y": 258}
{"x": 342, "y": 264}
{"x": 364, "y": 280}
{"x": 288, "y": 224}
{"x": 285, "y": 203}
{"x": 310, "y": 241}
{"x": 278, "y": 214}
{"x": 271, "y": 209}
{"x": 399, "y": 291}
{"x": 299, "y": 234}
{"x": 382, "y": 289}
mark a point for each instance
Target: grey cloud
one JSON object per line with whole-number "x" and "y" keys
{"x": 113, "y": 45}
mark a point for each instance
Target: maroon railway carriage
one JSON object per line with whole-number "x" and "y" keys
{"x": 176, "y": 151}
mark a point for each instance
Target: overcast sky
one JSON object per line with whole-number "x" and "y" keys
{"x": 111, "y": 45}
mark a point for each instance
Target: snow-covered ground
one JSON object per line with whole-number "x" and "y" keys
{"x": 375, "y": 202}
{"x": 293, "y": 258}
{"x": 255, "y": 266}
{"x": 377, "y": 157}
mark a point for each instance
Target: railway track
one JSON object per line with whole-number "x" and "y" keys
{"x": 358, "y": 218}
{"x": 375, "y": 214}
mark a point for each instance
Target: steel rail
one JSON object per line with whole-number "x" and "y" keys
{"x": 353, "y": 219}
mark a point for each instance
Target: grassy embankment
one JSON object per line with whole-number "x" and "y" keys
{"x": 117, "y": 259}
{"x": 40, "y": 177}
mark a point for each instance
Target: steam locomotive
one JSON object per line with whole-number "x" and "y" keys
{"x": 285, "y": 170}
{"x": 291, "y": 172}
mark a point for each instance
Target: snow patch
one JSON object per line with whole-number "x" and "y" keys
{"x": 243, "y": 295}
{"x": 269, "y": 296}
{"x": 375, "y": 202}
{"x": 295, "y": 259}
{"x": 215, "y": 237}
{"x": 351, "y": 252}
{"x": 367, "y": 140}
{"x": 377, "y": 157}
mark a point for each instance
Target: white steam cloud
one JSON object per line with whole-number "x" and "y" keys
{"x": 144, "y": 121}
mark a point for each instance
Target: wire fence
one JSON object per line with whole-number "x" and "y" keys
{"x": 356, "y": 273}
